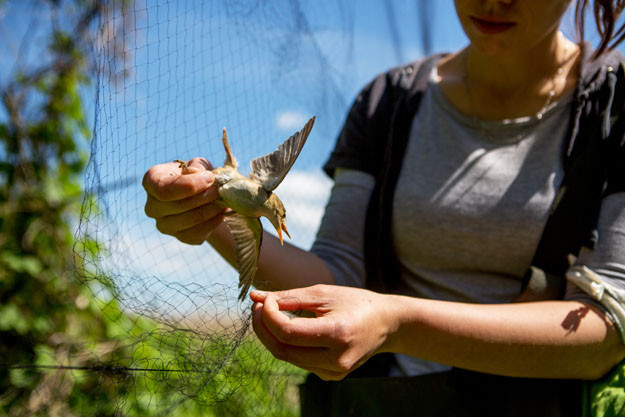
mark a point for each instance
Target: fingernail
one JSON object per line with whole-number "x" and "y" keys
{"x": 209, "y": 177}
{"x": 258, "y": 293}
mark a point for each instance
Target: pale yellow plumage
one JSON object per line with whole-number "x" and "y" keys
{"x": 253, "y": 197}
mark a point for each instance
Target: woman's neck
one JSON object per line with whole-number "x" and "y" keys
{"x": 509, "y": 85}
{"x": 505, "y": 72}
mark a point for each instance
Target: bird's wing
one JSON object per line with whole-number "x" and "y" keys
{"x": 248, "y": 235}
{"x": 230, "y": 159}
{"x": 271, "y": 169}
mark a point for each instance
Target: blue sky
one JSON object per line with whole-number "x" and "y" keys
{"x": 260, "y": 69}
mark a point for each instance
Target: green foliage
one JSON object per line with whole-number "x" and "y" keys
{"x": 44, "y": 314}
{"x": 64, "y": 351}
{"x": 606, "y": 397}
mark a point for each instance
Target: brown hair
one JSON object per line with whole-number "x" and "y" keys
{"x": 606, "y": 13}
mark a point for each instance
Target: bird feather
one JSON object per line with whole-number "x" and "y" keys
{"x": 247, "y": 233}
{"x": 269, "y": 170}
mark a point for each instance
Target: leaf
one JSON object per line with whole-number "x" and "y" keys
{"x": 11, "y": 318}
{"x": 608, "y": 393}
{"x": 22, "y": 263}
{"x": 44, "y": 355}
{"x": 21, "y": 378}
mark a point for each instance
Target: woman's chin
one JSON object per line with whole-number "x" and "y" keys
{"x": 491, "y": 47}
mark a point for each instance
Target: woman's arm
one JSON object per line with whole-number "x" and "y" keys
{"x": 279, "y": 267}
{"x": 550, "y": 339}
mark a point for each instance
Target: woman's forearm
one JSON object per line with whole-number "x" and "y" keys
{"x": 550, "y": 339}
{"x": 279, "y": 267}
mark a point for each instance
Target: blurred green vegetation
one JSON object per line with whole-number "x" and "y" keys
{"x": 64, "y": 352}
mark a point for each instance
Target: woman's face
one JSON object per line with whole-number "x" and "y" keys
{"x": 495, "y": 26}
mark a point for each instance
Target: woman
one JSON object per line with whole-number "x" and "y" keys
{"x": 467, "y": 178}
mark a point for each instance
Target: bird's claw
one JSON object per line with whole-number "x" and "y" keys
{"x": 183, "y": 166}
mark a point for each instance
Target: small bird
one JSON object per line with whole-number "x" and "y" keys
{"x": 253, "y": 197}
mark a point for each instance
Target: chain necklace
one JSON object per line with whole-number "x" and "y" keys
{"x": 550, "y": 95}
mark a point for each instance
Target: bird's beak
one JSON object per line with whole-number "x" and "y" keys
{"x": 283, "y": 227}
{"x": 279, "y": 230}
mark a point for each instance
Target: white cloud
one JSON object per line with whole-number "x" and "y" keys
{"x": 290, "y": 120}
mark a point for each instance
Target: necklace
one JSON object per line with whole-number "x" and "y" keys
{"x": 552, "y": 91}
{"x": 550, "y": 95}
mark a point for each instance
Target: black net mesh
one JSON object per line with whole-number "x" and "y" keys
{"x": 190, "y": 68}
{"x": 169, "y": 76}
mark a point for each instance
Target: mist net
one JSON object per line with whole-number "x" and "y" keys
{"x": 261, "y": 69}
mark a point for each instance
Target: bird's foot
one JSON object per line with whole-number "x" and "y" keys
{"x": 183, "y": 166}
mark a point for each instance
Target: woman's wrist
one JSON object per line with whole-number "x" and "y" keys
{"x": 392, "y": 315}
{"x": 222, "y": 241}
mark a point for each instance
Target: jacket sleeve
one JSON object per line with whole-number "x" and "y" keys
{"x": 340, "y": 239}
{"x": 616, "y": 154}
{"x": 361, "y": 140}
{"x": 599, "y": 274}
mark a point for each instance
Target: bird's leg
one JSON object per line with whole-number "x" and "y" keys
{"x": 183, "y": 165}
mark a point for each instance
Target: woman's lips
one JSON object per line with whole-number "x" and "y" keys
{"x": 491, "y": 26}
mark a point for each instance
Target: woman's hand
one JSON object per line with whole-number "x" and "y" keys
{"x": 183, "y": 205}
{"x": 350, "y": 326}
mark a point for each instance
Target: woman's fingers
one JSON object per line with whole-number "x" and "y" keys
{"x": 176, "y": 223}
{"x": 200, "y": 164}
{"x": 312, "y": 298}
{"x": 165, "y": 182}
{"x": 310, "y": 332}
{"x": 181, "y": 198}
{"x": 314, "y": 359}
{"x": 181, "y": 203}
{"x": 157, "y": 209}
{"x": 198, "y": 234}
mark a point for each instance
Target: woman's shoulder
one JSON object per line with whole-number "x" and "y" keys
{"x": 379, "y": 96}
{"x": 594, "y": 69}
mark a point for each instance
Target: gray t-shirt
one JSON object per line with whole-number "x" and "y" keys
{"x": 470, "y": 206}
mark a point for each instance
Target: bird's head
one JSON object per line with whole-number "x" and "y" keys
{"x": 277, "y": 215}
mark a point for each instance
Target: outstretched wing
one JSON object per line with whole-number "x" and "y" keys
{"x": 230, "y": 160}
{"x": 248, "y": 235}
{"x": 270, "y": 170}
